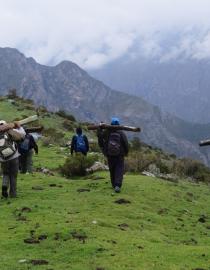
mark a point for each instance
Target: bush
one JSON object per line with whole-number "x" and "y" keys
{"x": 138, "y": 162}
{"x": 192, "y": 168}
{"x": 77, "y": 165}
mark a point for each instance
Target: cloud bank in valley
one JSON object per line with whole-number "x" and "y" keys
{"x": 95, "y": 32}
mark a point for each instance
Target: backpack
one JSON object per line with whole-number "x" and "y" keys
{"x": 114, "y": 144}
{"x": 24, "y": 146}
{"x": 7, "y": 146}
{"x": 80, "y": 144}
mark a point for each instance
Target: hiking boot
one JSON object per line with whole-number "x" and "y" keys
{"x": 117, "y": 189}
{"x": 4, "y": 192}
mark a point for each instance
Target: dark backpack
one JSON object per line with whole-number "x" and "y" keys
{"x": 80, "y": 144}
{"x": 114, "y": 144}
{"x": 24, "y": 146}
{"x": 7, "y": 146}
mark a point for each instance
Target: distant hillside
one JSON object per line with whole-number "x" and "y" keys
{"x": 181, "y": 87}
{"x": 68, "y": 87}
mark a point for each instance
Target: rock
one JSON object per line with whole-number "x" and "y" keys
{"x": 169, "y": 177}
{"x": 97, "y": 166}
{"x": 148, "y": 174}
{"x": 123, "y": 226}
{"x": 152, "y": 168}
{"x": 45, "y": 171}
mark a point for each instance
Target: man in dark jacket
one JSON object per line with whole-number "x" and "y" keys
{"x": 26, "y": 148}
{"x": 79, "y": 143}
{"x": 114, "y": 145}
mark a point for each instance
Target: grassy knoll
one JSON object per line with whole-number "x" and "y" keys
{"x": 162, "y": 226}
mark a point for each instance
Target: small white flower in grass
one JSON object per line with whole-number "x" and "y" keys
{"x": 94, "y": 222}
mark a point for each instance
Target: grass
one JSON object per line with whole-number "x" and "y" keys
{"x": 158, "y": 229}
{"x": 163, "y": 225}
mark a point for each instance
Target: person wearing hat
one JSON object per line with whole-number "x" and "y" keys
{"x": 114, "y": 145}
{"x": 9, "y": 156}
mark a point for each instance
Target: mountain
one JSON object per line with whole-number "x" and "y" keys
{"x": 180, "y": 87}
{"x": 68, "y": 87}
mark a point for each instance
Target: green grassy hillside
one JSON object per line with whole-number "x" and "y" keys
{"x": 80, "y": 224}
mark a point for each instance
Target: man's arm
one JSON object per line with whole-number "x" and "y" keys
{"x": 34, "y": 145}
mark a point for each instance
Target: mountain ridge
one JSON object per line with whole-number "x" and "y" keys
{"x": 66, "y": 86}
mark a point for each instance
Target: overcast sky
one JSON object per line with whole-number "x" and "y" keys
{"x": 95, "y": 32}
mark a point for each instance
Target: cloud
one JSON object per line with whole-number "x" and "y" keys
{"x": 95, "y": 32}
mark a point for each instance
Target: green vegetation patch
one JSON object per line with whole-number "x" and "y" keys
{"x": 80, "y": 224}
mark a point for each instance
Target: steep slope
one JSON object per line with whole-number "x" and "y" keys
{"x": 68, "y": 87}
{"x": 180, "y": 87}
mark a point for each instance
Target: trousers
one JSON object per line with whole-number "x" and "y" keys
{"x": 116, "y": 169}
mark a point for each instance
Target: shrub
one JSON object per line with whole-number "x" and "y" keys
{"x": 77, "y": 165}
{"x": 138, "y": 162}
{"x": 192, "y": 168}
{"x": 163, "y": 166}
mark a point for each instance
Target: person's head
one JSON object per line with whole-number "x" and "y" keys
{"x": 2, "y": 122}
{"x": 79, "y": 131}
{"x": 115, "y": 121}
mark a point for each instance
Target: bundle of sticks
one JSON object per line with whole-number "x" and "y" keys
{"x": 113, "y": 127}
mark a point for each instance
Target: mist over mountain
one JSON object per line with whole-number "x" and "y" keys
{"x": 68, "y": 87}
{"x": 173, "y": 73}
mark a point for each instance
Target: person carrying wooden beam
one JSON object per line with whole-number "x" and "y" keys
{"x": 114, "y": 145}
{"x": 9, "y": 155}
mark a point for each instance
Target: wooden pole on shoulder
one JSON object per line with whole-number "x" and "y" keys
{"x": 204, "y": 143}
{"x": 113, "y": 127}
{"x": 27, "y": 120}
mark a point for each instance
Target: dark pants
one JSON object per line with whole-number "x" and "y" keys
{"x": 26, "y": 162}
{"x": 116, "y": 169}
{"x": 10, "y": 172}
